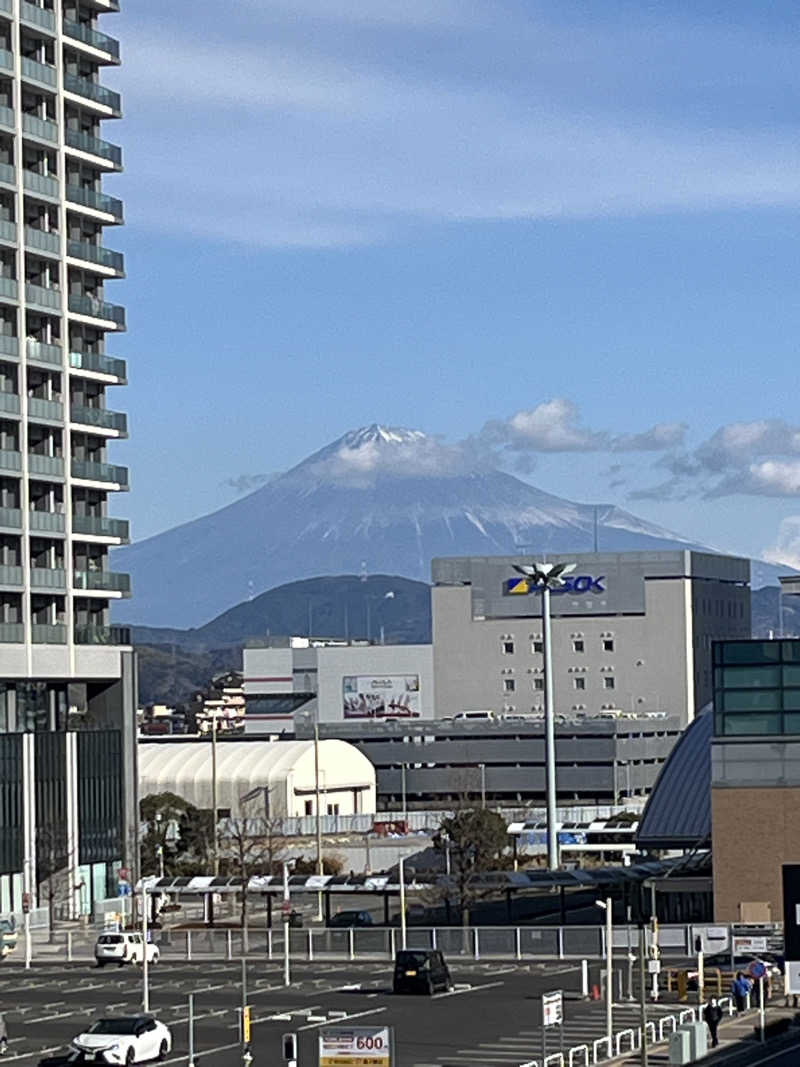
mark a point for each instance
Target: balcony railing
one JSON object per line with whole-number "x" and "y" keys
{"x": 44, "y": 129}
{"x": 99, "y": 417}
{"x": 74, "y": 83}
{"x": 42, "y": 240}
{"x": 40, "y": 16}
{"x": 9, "y": 402}
{"x": 11, "y": 518}
{"x": 94, "y": 361}
{"x": 41, "y": 408}
{"x": 102, "y": 635}
{"x": 76, "y": 194}
{"x": 33, "y": 70}
{"x": 42, "y": 296}
{"x": 83, "y": 304}
{"x": 102, "y": 581}
{"x": 78, "y": 32}
{"x": 96, "y": 254}
{"x": 91, "y": 471}
{"x": 7, "y": 116}
{"x": 46, "y": 521}
{"x": 101, "y": 526}
{"x": 9, "y": 345}
{"x": 9, "y": 288}
{"x": 48, "y": 633}
{"x": 96, "y": 146}
{"x": 10, "y": 460}
{"x": 6, "y": 59}
{"x": 8, "y": 174}
{"x": 12, "y": 633}
{"x": 48, "y": 578}
{"x": 40, "y": 183}
{"x": 10, "y": 575}
{"x": 52, "y": 466}
{"x": 40, "y": 352}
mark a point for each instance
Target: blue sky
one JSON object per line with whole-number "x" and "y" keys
{"x": 567, "y": 230}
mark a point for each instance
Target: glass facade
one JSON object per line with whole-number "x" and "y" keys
{"x": 756, "y": 688}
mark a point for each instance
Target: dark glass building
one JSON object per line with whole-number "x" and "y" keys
{"x": 756, "y": 688}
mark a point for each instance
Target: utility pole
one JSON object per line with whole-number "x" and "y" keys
{"x": 319, "y": 816}
{"x": 214, "y": 806}
{"x": 643, "y": 993}
{"x": 145, "y": 961}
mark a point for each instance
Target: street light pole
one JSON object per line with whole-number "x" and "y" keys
{"x": 214, "y": 806}
{"x": 483, "y": 784}
{"x": 550, "y": 733}
{"x": 145, "y": 961}
{"x": 607, "y": 906}
{"x": 403, "y": 790}
{"x": 402, "y": 902}
{"x": 319, "y": 816}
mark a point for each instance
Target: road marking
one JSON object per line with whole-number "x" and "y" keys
{"x": 471, "y": 989}
{"x": 27, "y": 1055}
{"x": 347, "y": 1018}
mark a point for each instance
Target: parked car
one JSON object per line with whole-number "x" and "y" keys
{"x": 124, "y": 1039}
{"x": 420, "y": 971}
{"x": 123, "y": 948}
{"x": 352, "y": 918}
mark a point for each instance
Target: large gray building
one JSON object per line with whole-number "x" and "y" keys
{"x": 631, "y": 631}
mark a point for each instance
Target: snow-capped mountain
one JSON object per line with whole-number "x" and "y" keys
{"x": 384, "y": 499}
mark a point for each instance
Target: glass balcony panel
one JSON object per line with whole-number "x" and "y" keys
{"x": 96, "y": 254}
{"x": 48, "y": 634}
{"x": 76, "y": 194}
{"x": 46, "y": 521}
{"x": 73, "y": 83}
{"x": 42, "y": 240}
{"x": 91, "y": 471}
{"x": 105, "y": 581}
{"x": 8, "y": 174}
{"x": 42, "y": 297}
{"x": 8, "y": 287}
{"x": 33, "y": 70}
{"x": 9, "y": 402}
{"x": 7, "y": 117}
{"x": 102, "y": 635}
{"x": 10, "y": 575}
{"x": 41, "y": 128}
{"x": 83, "y": 304}
{"x": 12, "y": 633}
{"x": 6, "y": 57}
{"x": 43, "y": 353}
{"x": 94, "y": 361}
{"x": 96, "y": 146}
{"x": 8, "y": 230}
{"x": 10, "y": 461}
{"x": 48, "y": 578}
{"x": 101, "y": 417}
{"x": 50, "y": 465}
{"x": 40, "y": 183}
{"x": 11, "y": 518}
{"x": 101, "y": 526}
{"x": 40, "y": 16}
{"x": 9, "y": 346}
{"x": 39, "y": 408}
{"x": 78, "y": 32}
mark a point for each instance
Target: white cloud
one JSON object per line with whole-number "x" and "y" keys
{"x": 786, "y": 549}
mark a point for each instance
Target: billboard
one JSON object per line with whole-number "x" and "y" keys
{"x": 372, "y": 696}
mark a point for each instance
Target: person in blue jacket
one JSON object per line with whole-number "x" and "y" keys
{"x": 740, "y": 987}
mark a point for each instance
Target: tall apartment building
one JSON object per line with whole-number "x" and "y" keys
{"x": 67, "y": 683}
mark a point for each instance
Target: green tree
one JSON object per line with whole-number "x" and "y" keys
{"x": 475, "y": 841}
{"x": 162, "y": 814}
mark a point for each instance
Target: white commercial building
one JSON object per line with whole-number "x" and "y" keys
{"x": 283, "y": 772}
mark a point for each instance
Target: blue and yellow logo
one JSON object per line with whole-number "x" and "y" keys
{"x": 517, "y": 586}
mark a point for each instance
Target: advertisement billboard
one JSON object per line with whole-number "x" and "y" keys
{"x": 363, "y": 1046}
{"x": 371, "y": 696}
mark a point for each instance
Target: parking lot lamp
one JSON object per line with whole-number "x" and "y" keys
{"x": 607, "y": 906}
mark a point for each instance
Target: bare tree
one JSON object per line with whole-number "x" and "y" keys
{"x": 250, "y": 846}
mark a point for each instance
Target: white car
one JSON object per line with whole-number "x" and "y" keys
{"x": 123, "y": 948}
{"x": 124, "y": 1039}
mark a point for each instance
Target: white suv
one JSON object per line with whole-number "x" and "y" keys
{"x": 123, "y": 948}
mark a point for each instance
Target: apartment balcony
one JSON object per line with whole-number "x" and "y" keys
{"x": 9, "y": 288}
{"x": 103, "y": 257}
{"x": 8, "y": 174}
{"x": 11, "y": 518}
{"x": 89, "y": 198}
{"x": 10, "y": 461}
{"x": 8, "y": 231}
{"x": 77, "y": 31}
{"x": 49, "y": 410}
{"x": 91, "y": 471}
{"x": 46, "y": 521}
{"x": 94, "y": 362}
{"x": 11, "y": 576}
{"x": 53, "y": 633}
{"x": 7, "y": 116}
{"x": 49, "y": 466}
{"x": 9, "y": 403}
{"x": 93, "y": 307}
{"x": 42, "y": 73}
{"x": 39, "y": 352}
{"x": 48, "y": 298}
{"x": 6, "y": 57}
{"x": 37, "y": 16}
{"x": 101, "y": 526}
{"x": 102, "y": 635}
{"x": 12, "y": 633}
{"x": 102, "y": 582}
{"x": 93, "y": 146}
{"x": 40, "y": 184}
{"x": 89, "y": 90}
{"x": 42, "y": 240}
{"x": 41, "y": 129}
{"x": 48, "y": 578}
{"x": 100, "y": 418}
{"x": 9, "y": 346}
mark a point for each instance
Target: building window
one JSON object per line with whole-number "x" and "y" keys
{"x": 536, "y": 647}
{"x": 509, "y": 685}
{"x": 508, "y": 648}
{"x": 538, "y": 683}
{"x": 579, "y": 683}
{"x": 577, "y": 645}
{"x": 608, "y": 644}
{"x": 308, "y": 807}
{"x": 609, "y": 682}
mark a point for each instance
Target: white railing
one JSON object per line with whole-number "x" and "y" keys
{"x": 597, "y": 1055}
{"x": 662, "y": 1026}
{"x": 556, "y": 1059}
{"x": 629, "y": 1036}
{"x": 573, "y": 1053}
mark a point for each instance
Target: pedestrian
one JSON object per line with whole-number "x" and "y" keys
{"x": 712, "y": 1013}
{"x": 740, "y": 987}
{"x": 3, "y": 1035}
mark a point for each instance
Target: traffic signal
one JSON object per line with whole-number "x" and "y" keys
{"x": 289, "y": 1046}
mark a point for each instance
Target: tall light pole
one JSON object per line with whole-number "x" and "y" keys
{"x": 214, "y": 807}
{"x": 548, "y": 576}
{"x": 319, "y": 816}
{"x": 607, "y": 906}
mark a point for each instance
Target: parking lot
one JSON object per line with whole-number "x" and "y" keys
{"x": 492, "y": 1018}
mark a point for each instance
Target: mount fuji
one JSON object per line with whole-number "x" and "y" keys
{"x": 377, "y": 499}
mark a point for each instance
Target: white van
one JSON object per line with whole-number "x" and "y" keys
{"x": 474, "y": 716}
{"x": 123, "y": 948}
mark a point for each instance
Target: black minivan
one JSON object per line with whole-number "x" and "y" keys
{"x": 420, "y": 971}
